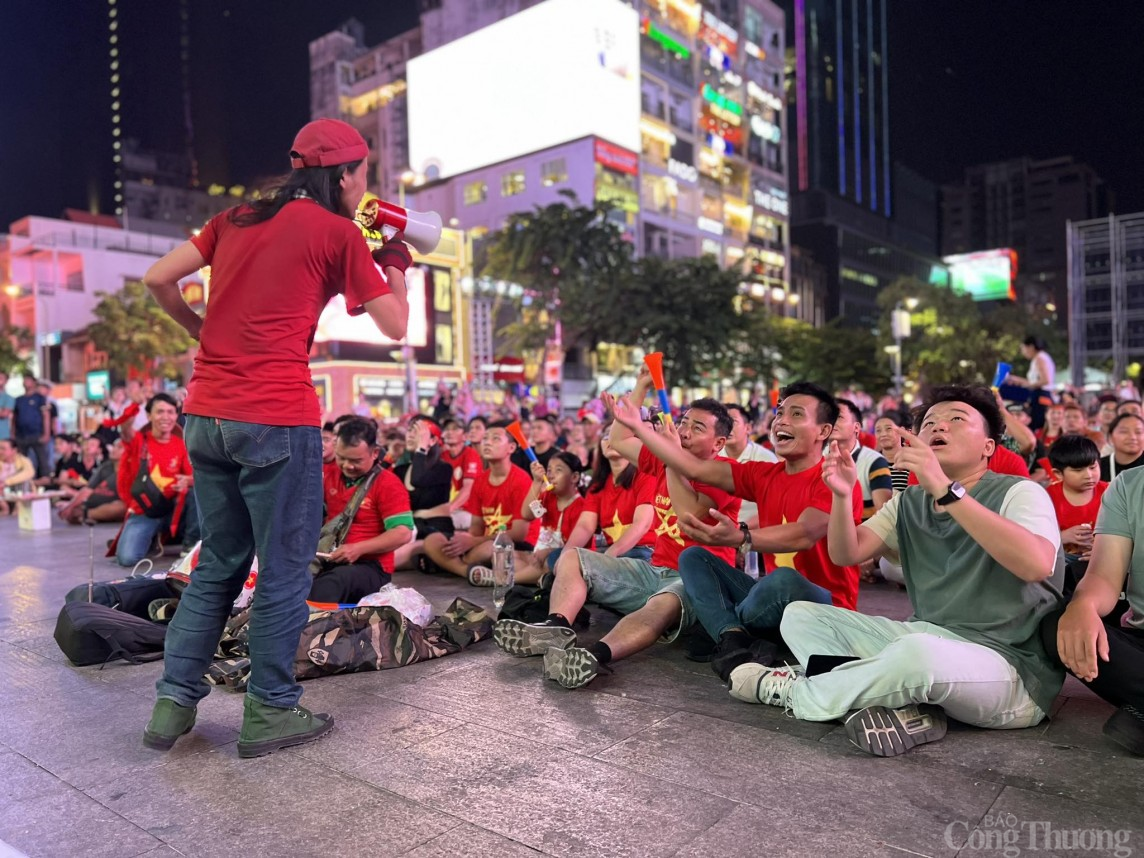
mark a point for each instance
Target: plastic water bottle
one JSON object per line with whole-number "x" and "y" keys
{"x": 504, "y": 562}
{"x": 751, "y": 564}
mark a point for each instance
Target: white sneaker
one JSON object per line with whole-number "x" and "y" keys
{"x": 754, "y": 683}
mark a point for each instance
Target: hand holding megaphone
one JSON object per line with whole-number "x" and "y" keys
{"x": 393, "y": 254}
{"x": 421, "y": 230}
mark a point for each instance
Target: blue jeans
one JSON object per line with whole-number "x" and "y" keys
{"x": 139, "y": 531}
{"x": 724, "y": 598}
{"x": 259, "y": 491}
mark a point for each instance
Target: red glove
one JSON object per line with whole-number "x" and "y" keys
{"x": 394, "y": 254}
{"x": 128, "y": 412}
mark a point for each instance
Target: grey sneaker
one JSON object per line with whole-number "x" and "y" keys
{"x": 756, "y": 683}
{"x": 525, "y": 639}
{"x": 572, "y": 667}
{"x": 886, "y": 732}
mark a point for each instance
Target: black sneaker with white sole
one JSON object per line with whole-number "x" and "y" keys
{"x": 886, "y": 732}
{"x": 573, "y": 667}
{"x": 525, "y": 639}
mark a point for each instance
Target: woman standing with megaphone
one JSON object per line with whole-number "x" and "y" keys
{"x": 253, "y": 420}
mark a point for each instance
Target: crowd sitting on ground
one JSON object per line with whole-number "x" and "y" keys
{"x": 1014, "y": 540}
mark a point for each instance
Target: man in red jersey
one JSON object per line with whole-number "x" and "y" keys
{"x": 253, "y": 420}
{"x": 794, "y": 509}
{"x": 383, "y": 522}
{"x": 495, "y": 502}
{"x": 650, "y": 594}
{"x": 465, "y": 462}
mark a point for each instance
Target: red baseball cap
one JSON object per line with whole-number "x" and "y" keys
{"x": 327, "y": 143}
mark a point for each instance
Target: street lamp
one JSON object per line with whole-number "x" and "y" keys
{"x": 900, "y": 327}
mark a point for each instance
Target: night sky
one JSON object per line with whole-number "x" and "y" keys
{"x": 970, "y": 81}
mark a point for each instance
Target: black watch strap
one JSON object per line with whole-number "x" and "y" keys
{"x": 745, "y": 546}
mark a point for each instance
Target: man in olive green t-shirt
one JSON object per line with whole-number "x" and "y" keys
{"x": 982, "y": 564}
{"x": 1092, "y": 643}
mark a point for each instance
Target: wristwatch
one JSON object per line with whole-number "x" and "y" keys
{"x": 956, "y": 492}
{"x": 745, "y": 546}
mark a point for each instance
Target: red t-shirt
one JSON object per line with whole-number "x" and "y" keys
{"x": 669, "y": 539}
{"x": 384, "y": 507}
{"x": 1069, "y": 515}
{"x": 615, "y": 508}
{"x": 561, "y": 519}
{"x": 500, "y": 506}
{"x": 467, "y": 465}
{"x": 782, "y": 498}
{"x": 269, "y": 284}
{"x": 168, "y": 460}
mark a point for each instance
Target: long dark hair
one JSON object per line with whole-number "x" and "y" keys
{"x": 602, "y": 469}
{"x": 321, "y": 184}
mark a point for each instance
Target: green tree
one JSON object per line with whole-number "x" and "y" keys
{"x": 136, "y": 333}
{"x": 685, "y": 309}
{"x": 833, "y": 356}
{"x": 950, "y": 341}
{"x": 573, "y": 265}
{"x": 16, "y": 346}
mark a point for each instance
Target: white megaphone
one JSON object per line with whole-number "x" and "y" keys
{"x": 422, "y": 229}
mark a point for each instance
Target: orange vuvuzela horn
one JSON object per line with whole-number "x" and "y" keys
{"x": 517, "y": 432}
{"x": 654, "y": 362}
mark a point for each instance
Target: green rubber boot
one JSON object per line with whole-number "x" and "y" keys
{"x": 168, "y": 722}
{"x": 266, "y": 729}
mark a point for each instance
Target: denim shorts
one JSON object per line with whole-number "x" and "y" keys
{"x": 625, "y": 584}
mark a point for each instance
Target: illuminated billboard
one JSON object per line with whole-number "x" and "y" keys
{"x": 560, "y": 71}
{"x": 987, "y": 275}
{"x": 337, "y": 326}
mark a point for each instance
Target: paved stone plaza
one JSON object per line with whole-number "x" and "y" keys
{"x": 476, "y": 754}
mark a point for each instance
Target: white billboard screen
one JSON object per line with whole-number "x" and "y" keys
{"x": 556, "y": 72}
{"x": 337, "y": 326}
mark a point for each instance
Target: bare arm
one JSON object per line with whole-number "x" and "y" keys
{"x": 26, "y": 472}
{"x": 162, "y": 280}
{"x": 623, "y": 439}
{"x": 462, "y": 496}
{"x": 846, "y": 543}
{"x": 665, "y": 447}
{"x": 391, "y": 312}
{"x": 685, "y": 500}
{"x": 798, "y": 535}
{"x": 880, "y": 496}
{"x": 1081, "y": 637}
{"x": 383, "y": 543}
{"x": 582, "y": 531}
{"x": 630, "y": 538}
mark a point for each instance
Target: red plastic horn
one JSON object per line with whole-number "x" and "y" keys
{"x": 654, "y": 361}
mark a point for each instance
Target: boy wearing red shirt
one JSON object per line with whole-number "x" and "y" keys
{"x": 794, "y": 509}
{"x": 494, "y": 502}
{"x": 363, "y": 563}
{"x": 1076, "y": 492}
{"x": 650, "y": 595}
{"x": 465, "y": 462}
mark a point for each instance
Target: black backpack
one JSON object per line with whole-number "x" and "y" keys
{"x": 129, "y": 595}
{"x": 530, "y": 604}
{"x": 96, "y": 634}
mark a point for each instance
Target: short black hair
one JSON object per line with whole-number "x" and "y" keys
{"x": 1073, "y": 451}
{"x": 849, "y": 405}
{"x": 716, "y": 409}
{"x": 1120, "y": 418}
{"x": 503, "y": 424}
{"x": 1124, "y": 402}
{"x": 342, "y": 418}
{"x": 355, "y": 430}
{"x": 735, "y": 406}
{"x": 571, "y": 460}
{"x": 328, "y": 426}
{"x": 478, "y": 419}
{"x": 1035, "y": 342}
{"x": 827, "y": 404}
{"x": 162, "y": 397}
{"x": 980, "y": 399}
{"x": 452, "y": 421}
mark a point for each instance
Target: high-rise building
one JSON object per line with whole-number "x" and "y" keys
{"x": 864, "y": 218}
{"x": 837, "y": 68}
{"x": 1024, "y": 205}
{"x": 1105, "y": 264}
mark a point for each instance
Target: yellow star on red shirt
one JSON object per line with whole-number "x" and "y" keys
{"x": 616, "y": 530}
{"x": 159, "y": 480}
{"x": 494, "y": 519}
{"x": 663, "y": 528}
{"x": 785, "y": 559}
